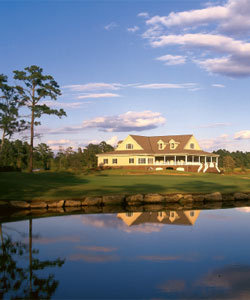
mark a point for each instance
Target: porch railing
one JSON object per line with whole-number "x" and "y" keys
{"x": 180, "y": 163}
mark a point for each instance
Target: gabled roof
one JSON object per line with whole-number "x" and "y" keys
{"x": 152, "y": 217}
{"x": 150, "y": 145}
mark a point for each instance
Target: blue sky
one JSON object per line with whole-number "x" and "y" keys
{"x": 136, "y": 67}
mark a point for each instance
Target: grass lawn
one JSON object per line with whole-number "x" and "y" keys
{"x": 56, "y": 186}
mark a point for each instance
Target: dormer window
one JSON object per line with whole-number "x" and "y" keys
{"x": 161, "y": 145}
{"x": 173, "y": 144}
{"x": 192, "y": 146}
{"x": 129, "y": 146}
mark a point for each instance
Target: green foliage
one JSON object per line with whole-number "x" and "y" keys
{"x": 43, "y": 156}
{"x": 90, "y": 152}
{"x": 15, "y": 154}
{"x": 9, "y": 110}
{"x": 81, "y": 159}
{"x": 35, "y": 87}
{"x": 241, "y": 159}
{"x": 228, "y": 163}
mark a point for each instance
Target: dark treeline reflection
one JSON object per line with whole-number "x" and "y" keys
{"x": 19, "y": 269}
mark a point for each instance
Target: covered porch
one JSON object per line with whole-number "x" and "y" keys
{"x": 202, "y": 162}
{"x": 185, "y": 159}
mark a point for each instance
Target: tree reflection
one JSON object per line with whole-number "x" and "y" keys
{"x": 17, "y": 280}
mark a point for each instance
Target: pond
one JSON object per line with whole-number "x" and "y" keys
{"x": 191, "y": 254}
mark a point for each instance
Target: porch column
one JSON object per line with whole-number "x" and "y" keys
{"x": 164, "y": 159}
{"x": 175, "y": 159}
{"x": 192, "y": 159}
{"x": 199, "y": 159}
{"x": 217, "y": 161}
{"x": 205, "y": 159}
{"x": 186, "y": 159}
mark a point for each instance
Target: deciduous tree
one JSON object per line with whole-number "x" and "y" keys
{"x": 44, "y": 154}
{"x": 228, "y": 163}
{"x": 9, "y": 111}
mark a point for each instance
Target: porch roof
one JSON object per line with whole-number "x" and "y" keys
{"x": 163, "y": 153}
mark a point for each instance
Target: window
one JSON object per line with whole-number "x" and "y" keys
{"x": 159, "y": 214}
{"x": 172, "y": 214}
{"x": 172, "y": 145}
{"x": 191, "y": 213}
{"x": 150, "y": 161}
{"x": 105, "y": 161}
{"x": 160, "y": 146}
{"x": 114, "y": 161}
{"x": 141, "y": 161}
{"x": 129, "y": 146}
{"x": 192, "y": 146}
{"x": 131, "y": 160}
{"x": 129, "y": 214}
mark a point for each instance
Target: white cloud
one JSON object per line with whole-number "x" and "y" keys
{"x": 215, "y": 125}
{"x": 221, "y": 142}
{"x": 100, "y": 95}
{"x": 195, "y": 89}
{"x": 236, "y": 63}
{"x": 56, "y": 144}
{"x": 190, "y": 18}
{"x": 111, "y": 221}
{"x": 133, "y": 29}
{"x": 93, "y": 142}
{"x": 242, "y": 135}
{"x": 62, "y": 104}
{"x": 143, "y": 15}
{"x": 112, "y": 141}
{"x": 61, "y": 130}
{"x": 233, "y": 17}
{"x": 61, "y": 142}
{"x": 129, "y": 121}
{"x": 110, "y": 26}
{"x": 218, "y": 85}
{"x": 228, "y": 66}
{"x": 167, "y": 86}
{"x": 171, "y": 60}
{"x": 93, "y": 86}
{"x": 218, "y": 43}
{"x": 209, "y": 30}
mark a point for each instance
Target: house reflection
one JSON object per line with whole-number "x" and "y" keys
{"x": 170, "y": 217}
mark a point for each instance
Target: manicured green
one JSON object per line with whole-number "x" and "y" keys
{"x": 55, "y": 186}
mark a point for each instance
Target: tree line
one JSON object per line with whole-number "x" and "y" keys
{"x": 33, "y": 86}
{"x": 230, "y": 160}
{"x": 15, "y": 157}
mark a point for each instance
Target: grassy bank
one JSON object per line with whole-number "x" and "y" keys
{"x": 56, "y": 186}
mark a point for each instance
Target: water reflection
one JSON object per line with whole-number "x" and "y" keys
{"x": 135, "y": 255}
{"x": 185, "y": 218}
{"x": 19, "y": 279}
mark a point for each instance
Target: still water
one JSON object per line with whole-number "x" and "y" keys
{"x": 189, "y": 254}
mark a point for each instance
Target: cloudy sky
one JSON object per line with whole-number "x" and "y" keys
{"x": 136, "y": 67}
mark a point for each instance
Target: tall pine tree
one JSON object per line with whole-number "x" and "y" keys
{"x": 35, "y": 86}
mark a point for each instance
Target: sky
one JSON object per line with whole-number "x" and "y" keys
{"x": 144, "y": 67}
